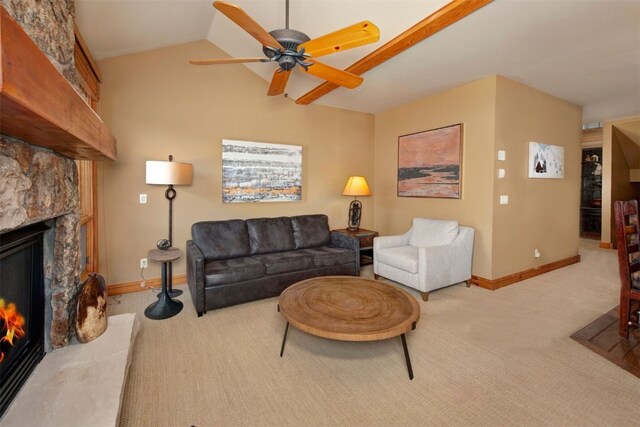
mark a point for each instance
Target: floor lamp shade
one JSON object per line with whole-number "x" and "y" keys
{"x": 356, "y": 186}
{"x": 169, "y": 173}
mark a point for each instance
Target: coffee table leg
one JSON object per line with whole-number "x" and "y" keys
{"x": 284, "y": 340}
{"x": 406, "y": 354}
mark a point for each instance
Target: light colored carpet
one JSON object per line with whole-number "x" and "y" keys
{"x": 479, "y": 358}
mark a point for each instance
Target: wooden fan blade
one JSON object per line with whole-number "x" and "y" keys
{"x": 442, "y": 18}
{"x": 333, "y": 75}
{"x": 359, "y": 34}
{"x": 278, "y": 82}
{"x": 247, "y": 23}
{"x": 224, "y": 61}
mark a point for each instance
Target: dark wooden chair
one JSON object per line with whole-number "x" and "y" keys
{"x": 626, "y": 215}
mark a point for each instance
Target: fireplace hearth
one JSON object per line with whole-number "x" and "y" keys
{"x": 22, "y": 309}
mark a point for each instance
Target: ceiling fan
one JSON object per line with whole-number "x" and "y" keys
{"x": 289, "y": 48}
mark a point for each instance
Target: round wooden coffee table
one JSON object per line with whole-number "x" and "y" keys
{"x": 349, "y": 309}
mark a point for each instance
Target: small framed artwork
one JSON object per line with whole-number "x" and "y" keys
{"x": 546, "y": 160}
{"x": 429, "y": 163}
{"x": 261, "y": 172}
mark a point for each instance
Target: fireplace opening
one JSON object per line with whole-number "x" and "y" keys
{"x": 21, "y": 308}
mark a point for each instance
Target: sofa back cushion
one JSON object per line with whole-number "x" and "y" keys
{"x": 432, "y": 232}
{"x": 310, "y": 231}
{"x": 267, "y": 235}
{"x": 221, "y": 239}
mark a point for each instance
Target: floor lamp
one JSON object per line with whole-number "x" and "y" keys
{"x": 169, "y": 173}
{"x": 356, "y": 186}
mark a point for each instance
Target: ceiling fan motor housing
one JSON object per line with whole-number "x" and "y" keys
{"x": 290, "y": 40}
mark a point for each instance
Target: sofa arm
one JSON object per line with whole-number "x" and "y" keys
{"x": 195, "y": 276}
{"x": 340, "y": 240}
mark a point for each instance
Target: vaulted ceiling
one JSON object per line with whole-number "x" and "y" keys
{"x": 584, "y": 51}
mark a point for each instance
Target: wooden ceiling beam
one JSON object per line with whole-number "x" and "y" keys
{"x": 442, "y": 18}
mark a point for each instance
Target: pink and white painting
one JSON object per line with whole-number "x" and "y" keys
{"x": 429, "y": 163}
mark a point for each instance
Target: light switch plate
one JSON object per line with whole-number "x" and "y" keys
{"x": 504, "y": 199}
{"x": 501, "y": 173}
{"x": 502, "y": 155}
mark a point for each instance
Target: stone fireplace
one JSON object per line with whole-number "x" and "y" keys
{"x": 46, "y": 123}
{"x": 39, "y": 185}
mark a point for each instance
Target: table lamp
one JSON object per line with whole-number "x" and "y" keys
{"x": 169, "y": 173}
{"x": 356, "y": 186}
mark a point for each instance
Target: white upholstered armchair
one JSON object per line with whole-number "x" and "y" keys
{"x": 431, "y": 255}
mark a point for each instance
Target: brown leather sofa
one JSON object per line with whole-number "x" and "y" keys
{"x": 235, "y": 261}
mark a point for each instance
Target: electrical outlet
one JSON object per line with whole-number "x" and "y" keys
{"x": 504, "y": 199}
{"x": 143, "y": 263}
{"x": 143, "y": 198}
{"x": 536, "y": 253}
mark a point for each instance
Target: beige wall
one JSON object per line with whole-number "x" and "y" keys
{"x": 473, "y": 105}
{"x": 498, "y": 114}
{"x": 157, "y": 104}
{"x": 542, "y": 213}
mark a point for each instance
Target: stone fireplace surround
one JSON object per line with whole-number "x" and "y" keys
{"x": 37, "y": 184}
{"x": 40, "y": 185}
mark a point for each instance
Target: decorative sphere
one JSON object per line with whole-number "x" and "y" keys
{"x": 163, "y": 244}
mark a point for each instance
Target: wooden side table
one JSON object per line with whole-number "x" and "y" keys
{"x": 366, "y": 242}
{"x": 165, "y": 307}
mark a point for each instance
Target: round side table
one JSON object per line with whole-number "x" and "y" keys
{"x": 165, "y": 307}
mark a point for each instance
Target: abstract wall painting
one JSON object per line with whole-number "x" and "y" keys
{"x": 429, "y": 163}
{"x": 546, "y": 161}
{"x": 261, "y": 172}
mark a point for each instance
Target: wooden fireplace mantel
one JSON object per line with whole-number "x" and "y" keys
{"x": 39, "y": 106}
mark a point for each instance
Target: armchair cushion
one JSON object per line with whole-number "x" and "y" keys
{"x": 402, "y": 257}
{"x": 432, "y": 232}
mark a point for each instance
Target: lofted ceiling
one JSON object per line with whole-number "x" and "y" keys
{"x": 584, "y": 51}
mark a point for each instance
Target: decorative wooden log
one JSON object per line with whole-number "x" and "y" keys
{"x": 91, "y": 317}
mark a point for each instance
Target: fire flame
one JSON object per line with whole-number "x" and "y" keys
{"x": 12, "y": 322}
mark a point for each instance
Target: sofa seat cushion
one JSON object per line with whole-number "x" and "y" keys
{"x": 310, "y": 231}
{"x": 222, "y": 272}
{"x": 285, "y": 262}
{"x": 402, "y": 257}
{"x": 325, "y": 256}
{"x": 269, "y": 235}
